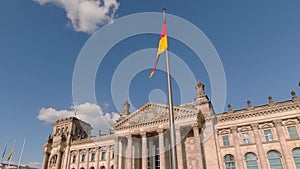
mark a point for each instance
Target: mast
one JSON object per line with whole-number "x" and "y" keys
{"x": 21, "y": 153}
{"x": 171, "y": 113}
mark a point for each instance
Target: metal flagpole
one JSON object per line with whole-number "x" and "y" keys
{"x": 21, "y": 153}
{"x": 4, "y": 151}
{"x": 171, "y": 114}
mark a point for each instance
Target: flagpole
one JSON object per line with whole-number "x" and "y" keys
{"x": 11, "y": 155}
{"x": 171, "y": 114}
{"x": 21, "y": 153}
{"x": 3, "y": 154}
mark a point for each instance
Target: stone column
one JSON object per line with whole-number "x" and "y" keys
{"x": 151, "y": 153}
{"x": 179, "y": 148}
{"x": 97, "y": 157}
{"x": 116, "y": 153}
{"x": 238, "y": 154}
{"x": 286, "y": 154}
{"x": 260, "y": 150}
{"x": 45, "y": 160}
{"x": 120, "y": 155}
{"x": 198, "y": 144}
{"x": 129, "y": 152}
{"x": 144, "y": 150}
{"x": 161, "y": 149}
{"x": 107, "y": 163}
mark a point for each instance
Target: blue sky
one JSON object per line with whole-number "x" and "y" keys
{"x": 257, "y": 41}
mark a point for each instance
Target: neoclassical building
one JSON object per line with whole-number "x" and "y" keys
{"x": 257, "y": 137}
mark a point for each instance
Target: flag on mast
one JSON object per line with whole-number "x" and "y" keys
{"x": 11, "y": 153}
{"x": 162, "y": 46}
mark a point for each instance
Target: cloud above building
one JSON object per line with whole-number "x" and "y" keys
{"x": 86, "y": 15}
{"x": 88, "y": 112}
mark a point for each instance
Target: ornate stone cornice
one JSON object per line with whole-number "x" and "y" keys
{"x": 259, "y": 111}
{"x": 141, "y": 117}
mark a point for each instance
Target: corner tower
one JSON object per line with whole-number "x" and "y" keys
{"x": 57, "y": 148}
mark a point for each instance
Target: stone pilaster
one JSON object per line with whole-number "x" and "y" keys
{"x": 59, "y": 159}
{"x": 107, "y": 163}
{"x": 87, "y": 158}
{"x": 260, "y": 150}
{"x": 144, "y": 150}
{"x": 198, "y": 145}
{"x": 67, "y": 158}
{"x": 45, "y": 160}
{"x": 161, "y": 149}
{"x": 78, "y": 158}
{"x": 238, "y": 154}
{"x": 287, "y": 157}
{"x": 179, "y": 148}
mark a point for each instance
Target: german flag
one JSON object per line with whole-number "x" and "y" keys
{"x": 11, "y": 153}
{"x": 162, "y": 46}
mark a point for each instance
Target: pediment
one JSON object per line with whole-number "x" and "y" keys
{"x": 153, "y": 113}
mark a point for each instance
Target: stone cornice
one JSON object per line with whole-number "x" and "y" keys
{"x": 180, "y": 114}
{"x": 259, "y": 111}
{"x": 94, "y": 139}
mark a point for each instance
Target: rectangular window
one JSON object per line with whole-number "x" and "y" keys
{"x": 103, "y": 154}
{"x": 293, "y": 132}
{"x": 82, "y": 157}
{"x": 226, "y": 140}
{"x": 268, "y": 135}
{"x": 246, "y": 138}
{"x": 93, "y": 157}
{"x": 74, "y": 159}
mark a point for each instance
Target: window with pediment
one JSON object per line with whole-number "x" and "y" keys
{"x": 103, "y": 155}
{"x": 246, "y": 137}
{"x": 225, "y": 137}
{"x": 226, "y": 141}
{"x": 268, "y": 135}
{"x": 93, "y": 156}
{"x": 293, "y": 133}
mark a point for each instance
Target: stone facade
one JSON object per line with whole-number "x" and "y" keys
{"x": 264, "y": 137}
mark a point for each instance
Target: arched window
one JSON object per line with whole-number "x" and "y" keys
{"x": 229, "y": 161}
{"x": 102, "y": 167}
{"x": 112, "y": 167}
{"x": 82, "y": 168}
{"x": 92, "y": 167}
{"x": 296, "y": 156}
{"x": 251, "y": 161}
{"x": 274, "y": 160}
{"x": 53, "y": 159}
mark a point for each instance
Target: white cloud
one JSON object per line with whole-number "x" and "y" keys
{"x": 86, "y": 15}
{"x": 88, "y": 112}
